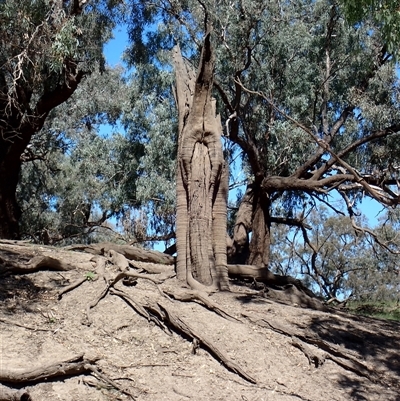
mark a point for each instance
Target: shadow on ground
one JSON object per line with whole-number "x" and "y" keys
{"x": 370, "y": 338}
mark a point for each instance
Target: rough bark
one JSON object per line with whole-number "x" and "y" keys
{"x": 252, "y": 217}
{"x": 72, "y": 366}
{"x": 261, "y": 234}
{"x": 201, "y": 177}
{"x": 238, "y": 252}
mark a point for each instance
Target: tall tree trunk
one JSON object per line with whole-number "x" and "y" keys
{"x": 202, "y": 185}
{"x": 10, "y": 168}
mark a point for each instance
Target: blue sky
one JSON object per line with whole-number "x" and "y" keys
{"x": 114, "y": 52}
{"x": 115, "y": 47}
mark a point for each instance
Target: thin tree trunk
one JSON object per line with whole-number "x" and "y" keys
{"x": 239, "y": 250}
{"x": 10, "y": 168}
{"x": 261, "y": 231}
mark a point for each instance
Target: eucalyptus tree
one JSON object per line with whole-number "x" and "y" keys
{"x": 78, "y": 172}
{"x": 311, "y": 102}
{"x": 336, "y": 261}
{"x": 151, "y": 121}
{"x": 384, "y": 12}
{"x": 46, "y": 50}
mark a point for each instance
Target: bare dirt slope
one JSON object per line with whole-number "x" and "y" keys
{"x": 140, "y": 343}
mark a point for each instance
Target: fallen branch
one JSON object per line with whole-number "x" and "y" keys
{"x": 6, "y": 321}
{"x": 73, "y": 366}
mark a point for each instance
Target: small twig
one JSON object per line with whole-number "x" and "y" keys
{"x": 6, "y": 321}
{"x": 110, "y": 381}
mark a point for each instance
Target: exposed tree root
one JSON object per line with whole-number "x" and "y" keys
{"x": 291, "y": 294}
{"x": 72, "y": 286}
{"x": 334, "y": 353}
{"x": 156, "y": 279}
{"x": 123, "y": 257}
{"x": 153, "y": 268}
{"x": 265, "y": 276}
{"x": 118, "y": 260}
{"x": 118, "y": 277}
{"x": 165, "y": 318}
{"x": 182, "y": 327}
{"x": 195, "y": 296}
{"x": 73, "y": 366}
{"x": 37, "y": 263}
{"x": 314, "y": 357}
{"x": 145, "y": 311}
{"x": 130, "y": 252}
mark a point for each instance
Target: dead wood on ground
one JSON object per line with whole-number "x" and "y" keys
{"x": 110, "y": 382}
{"x": 72, "y": 366}
{"x": 24, "y": 326}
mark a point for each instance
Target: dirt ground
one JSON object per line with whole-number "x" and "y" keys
{"x": 269, "y": 341}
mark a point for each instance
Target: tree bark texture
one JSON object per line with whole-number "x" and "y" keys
{"x": 202, "y": 185}
{"x": 238, "y": 251}
{"x": 261, "y": 230}
{"x": 253, "y": 217}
